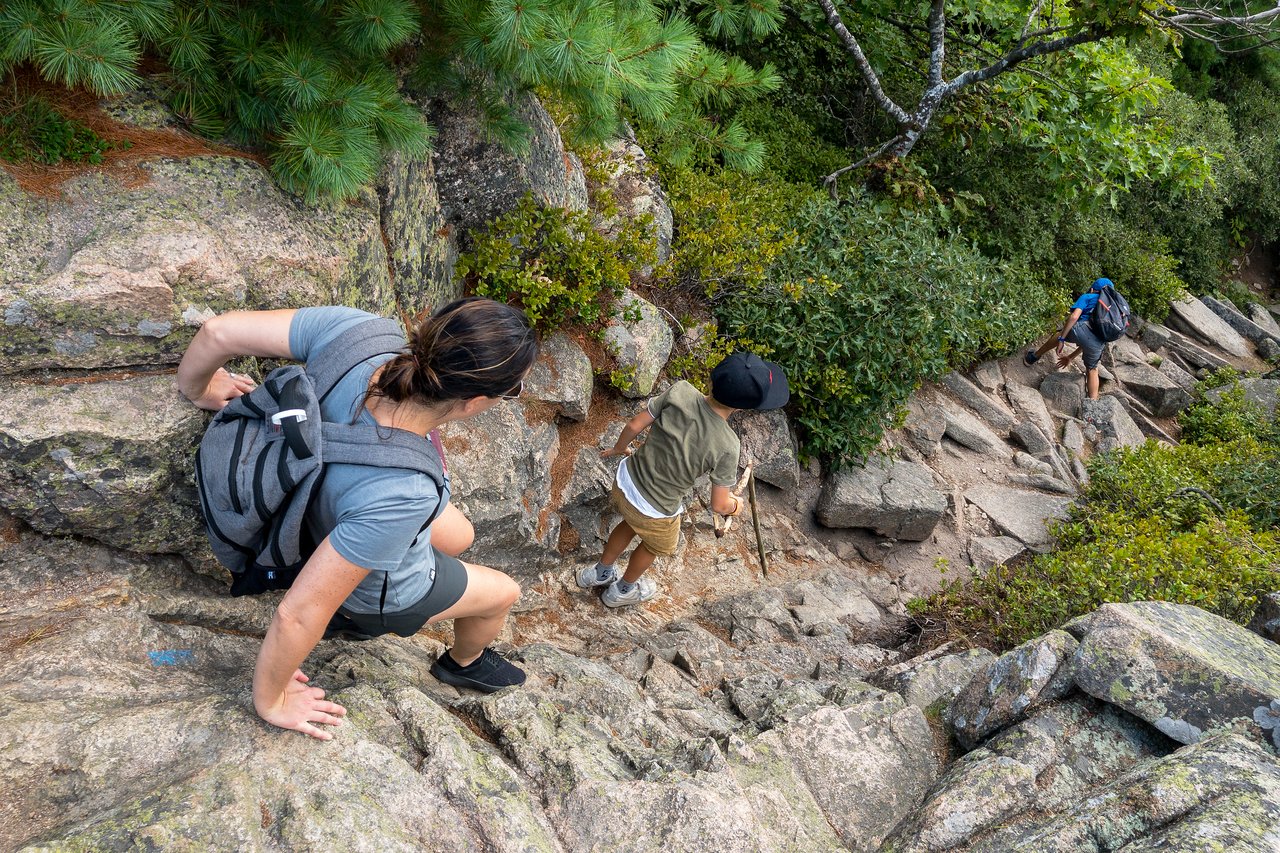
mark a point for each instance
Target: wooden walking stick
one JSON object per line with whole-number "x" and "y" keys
{"x": 755, "y": 522}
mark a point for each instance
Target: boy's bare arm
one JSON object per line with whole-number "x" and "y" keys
{"x": 724, "y": 501}
{"x": 634, "y": 427}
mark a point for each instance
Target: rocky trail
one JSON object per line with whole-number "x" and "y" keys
{"x": 738, "y": 711}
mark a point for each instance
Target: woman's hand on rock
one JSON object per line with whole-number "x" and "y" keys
{"x": 223, "y": 387}
{"x": 301, "y": 707}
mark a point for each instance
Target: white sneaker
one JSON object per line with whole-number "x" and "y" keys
{"x": 641, "y": 591}
{"x": 588, "y": 577}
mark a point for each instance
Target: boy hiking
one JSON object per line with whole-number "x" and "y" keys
{"x": 689, "y": 435}
{"x": 1080, "y": 329}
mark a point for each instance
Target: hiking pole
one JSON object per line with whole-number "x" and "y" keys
{"x": 755, "y": 522}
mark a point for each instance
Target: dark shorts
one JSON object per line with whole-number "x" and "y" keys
{"x": 1082, "y": 333}
{"x": 449, "y": 585}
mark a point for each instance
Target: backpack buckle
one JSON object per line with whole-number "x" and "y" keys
{"x": 298, "y": 415}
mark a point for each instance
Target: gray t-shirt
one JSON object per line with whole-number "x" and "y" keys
{"x": 687, "y": 439}
{"x": 371, "y": 515}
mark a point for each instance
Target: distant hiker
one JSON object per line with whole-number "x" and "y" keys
{"x": 376, "y": 566}
{"x": 1105, "y": 314}
{"x": 689, "y": 435}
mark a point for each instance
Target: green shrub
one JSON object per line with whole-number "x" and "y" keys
{"x": 730, "y": 228}
{"x": 867, "y": 303}
{"x": 1231, "y": 418}
{"x": 31, "y": 130}
{"x": 551, "y": 263}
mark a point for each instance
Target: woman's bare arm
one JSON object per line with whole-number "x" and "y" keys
{"x": 280, "y": 694}
{"x": 201, "y": 377}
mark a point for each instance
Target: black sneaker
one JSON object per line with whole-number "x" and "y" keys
{"x": 1030, "y": 358}
{"x": 488, "y": 673}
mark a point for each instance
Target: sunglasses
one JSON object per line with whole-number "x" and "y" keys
{"x": 514, "y": 393}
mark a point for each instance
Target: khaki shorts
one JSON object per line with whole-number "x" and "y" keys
{"x": 659, "y": 535}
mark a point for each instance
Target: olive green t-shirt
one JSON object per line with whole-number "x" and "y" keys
{"x": 687, "y": 439}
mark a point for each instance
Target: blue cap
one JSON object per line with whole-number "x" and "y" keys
{"x": 1100, "y": 283}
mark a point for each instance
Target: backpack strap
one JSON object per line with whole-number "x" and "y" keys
{"x": 346, "y": 352}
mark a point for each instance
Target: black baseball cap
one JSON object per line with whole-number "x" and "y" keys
{"x": 746, "y": 381}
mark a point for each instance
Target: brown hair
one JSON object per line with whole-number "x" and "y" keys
{"x": 472, "y": 347}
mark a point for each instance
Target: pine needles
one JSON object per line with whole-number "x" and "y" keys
{"x": 313, "y": 82}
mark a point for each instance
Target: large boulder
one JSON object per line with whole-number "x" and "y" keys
{"x": 1260, "y": 315}
{"x": 1222, "y": 794}
{"x": 1009, "y": 688}
{"x": 1181, "y": 669}
{"x": 1164, "y": 396}
{"x": 1064, "y": 392}
{"x": 1116, "y": 428}
{"x": 767, "y": 444}
{"x": 1260, "y": 392}
{"x": 479, "y": 179}
{"x": 637, "y": 193}
{"x": 1030, "y": 406}
{"x": 893, "y": 497}
{"x": 1266, "y": 617}
{"x": 967, "y": 430}
{"x": 1248, "y": 329}
{"x": 112, "y": 276}
{"x": 110, "y": 460}
{"x": 931, "y": 681}
{"x": 422, "y": 246}
{"x": 500, "y": 465}
{"x": 1194, "y": 317}
{"x": 1021, "y": 514}
{"x": 1047, "y": 764}
{"x": 641, "y": 341}
{"x": 994, "y": 413}
{"x": 562, "y": 377}
{"x": 857, "y": 771}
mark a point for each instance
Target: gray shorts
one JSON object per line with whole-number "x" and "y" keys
{"x": 1082, "y": 333}
{"x": 448, "y": 587}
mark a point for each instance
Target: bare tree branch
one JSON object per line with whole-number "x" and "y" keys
{"x": 830, "y": 180}
{"x": 937, "y": 40}
{"x": 860, "y": 59}
{"x": 1214, "y": 18}
{"x": 1022, "y": 54}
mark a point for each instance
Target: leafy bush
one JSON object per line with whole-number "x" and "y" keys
{"x": 866, "y": 304}
{"x": 730, "y": 228}
{"x": 32, "y": 130}
{"x": 1231, "y": 418}
{"x": 550, "y": 262}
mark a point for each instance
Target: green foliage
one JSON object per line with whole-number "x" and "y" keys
{"x": 31, "y": 130}
{"x": 1230, "y": 418}
{"x": 699, "y": 350}
{"x": 731, "y": 228}
{"x": 865, "y": 305}
{"x": 310, "y": 80}
{"x": 1193, "y": 524}
{"x": 550, "y": 262}
{"x": 609, "y": 60}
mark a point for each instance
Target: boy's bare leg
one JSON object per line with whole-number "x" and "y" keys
{"x": 618, "y": 541}
{"x": 641, "y": 559}
{"x": 1048, "y": 345}
{"x": 1092, "y": 382}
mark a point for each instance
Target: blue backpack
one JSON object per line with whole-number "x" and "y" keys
{"x": 1110, "y": 315}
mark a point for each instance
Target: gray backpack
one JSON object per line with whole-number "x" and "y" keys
{"x": 263, "y": 458}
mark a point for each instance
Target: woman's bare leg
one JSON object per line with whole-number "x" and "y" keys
{"x": 479, "y": 615}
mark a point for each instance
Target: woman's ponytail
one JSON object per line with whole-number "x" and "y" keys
{"x": 471, "y": 347}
